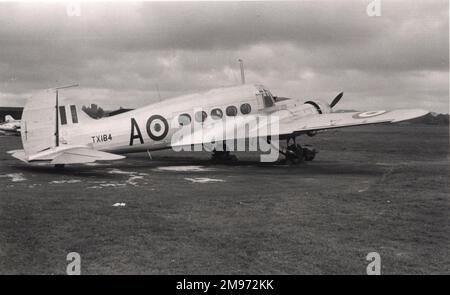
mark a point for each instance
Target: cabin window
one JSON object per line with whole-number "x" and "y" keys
{"x": 184, "y": 119}
{"x": 62, "y": 114}
{"x": 216, "y": 114}
{"x": 231, "y": 111}
{"x": 201, "y": 116}
{"x": 246, "y": 108}
{"x": 73, "y": 111}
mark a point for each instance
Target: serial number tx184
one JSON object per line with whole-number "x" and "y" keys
{"x": 101, "y": 138}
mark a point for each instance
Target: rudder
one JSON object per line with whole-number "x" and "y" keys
{"x": 39, "y": 129}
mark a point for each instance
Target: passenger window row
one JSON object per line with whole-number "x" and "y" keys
{"x": 216, "y": 114}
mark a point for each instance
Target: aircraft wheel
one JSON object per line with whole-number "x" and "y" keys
{"x": 309, "y": 153}
{"x": 294, "y": 154}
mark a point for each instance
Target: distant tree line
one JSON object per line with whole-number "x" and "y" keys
{"x": 432, "y": 119}
{"x": 96, "y": 112}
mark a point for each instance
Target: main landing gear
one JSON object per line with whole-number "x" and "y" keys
{"x": 295, "y": 153}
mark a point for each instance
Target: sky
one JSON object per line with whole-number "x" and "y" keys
{"x": 131, "y": 54}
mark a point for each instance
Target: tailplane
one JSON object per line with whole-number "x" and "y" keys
{"x": 66, "y": 154}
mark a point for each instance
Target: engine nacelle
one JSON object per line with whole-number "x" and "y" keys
{"x": 320, "y": 106}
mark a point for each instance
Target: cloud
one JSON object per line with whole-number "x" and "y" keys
{"x": 121, "y": 53}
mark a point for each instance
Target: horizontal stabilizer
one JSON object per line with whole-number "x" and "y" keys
{"x": 66, "y": 154}
{"x": 84, "y": 155}
{"x": 18, "y": 154}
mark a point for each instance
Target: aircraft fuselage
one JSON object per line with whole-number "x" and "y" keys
{"x": 152, "y": 127}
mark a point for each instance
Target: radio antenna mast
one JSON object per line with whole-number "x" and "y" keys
{"x": 241, "y": 63}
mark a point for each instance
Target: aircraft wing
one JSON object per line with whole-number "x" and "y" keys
{"x": 290, "y": 124}
{"x": 285, "y": 122}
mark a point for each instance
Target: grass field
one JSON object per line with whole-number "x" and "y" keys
{"x": 375, "y": 188}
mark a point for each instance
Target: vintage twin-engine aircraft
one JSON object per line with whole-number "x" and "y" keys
{"x": 59, "y": 132}
{"x": 11, "y": 126}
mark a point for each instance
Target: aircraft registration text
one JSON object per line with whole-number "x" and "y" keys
{"x": 101, "y": 138}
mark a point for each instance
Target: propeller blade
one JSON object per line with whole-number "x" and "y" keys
{"x": 336, "y": 99}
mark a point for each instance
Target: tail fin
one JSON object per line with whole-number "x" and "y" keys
{"x": 38, "y": 122}
{"x": 9, "y": 118}
{"x": 41, "y": 121}
{"x": 43, "y": 116}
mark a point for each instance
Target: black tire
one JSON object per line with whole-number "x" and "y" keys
{"x": 309, "y": 154}
{"x": 295, "y": 154}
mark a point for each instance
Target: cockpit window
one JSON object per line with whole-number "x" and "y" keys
{"x": 267, "y": 98}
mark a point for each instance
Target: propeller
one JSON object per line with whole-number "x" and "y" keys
{"x": 336, "y": 99}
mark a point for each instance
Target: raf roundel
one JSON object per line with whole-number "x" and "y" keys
{"x": 157, "y": 127}
{"x": 369, "y": 114}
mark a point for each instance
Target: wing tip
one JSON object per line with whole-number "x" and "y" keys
{"x": 18, "y": 154}
{"x": 410, "y": 114}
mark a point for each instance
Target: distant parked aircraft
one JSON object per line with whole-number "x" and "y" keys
{"x": 11, "y": 126}
{"x": 63, "y": 134}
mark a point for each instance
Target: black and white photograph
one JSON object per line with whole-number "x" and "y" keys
{"x": 305, "y": 137}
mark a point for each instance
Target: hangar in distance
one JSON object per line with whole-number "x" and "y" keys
{"x": 57, "y": 131}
